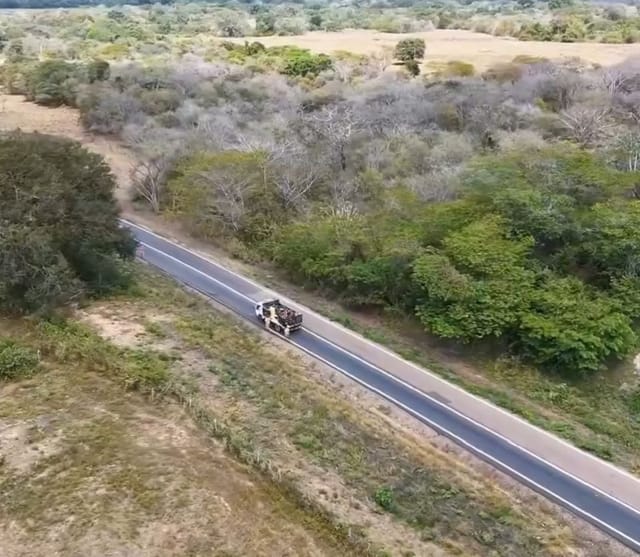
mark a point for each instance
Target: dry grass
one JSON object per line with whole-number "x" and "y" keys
{"x": 329, "y": 442}
{"x": 89, "y": 469}
{"x": 445, "y": 45}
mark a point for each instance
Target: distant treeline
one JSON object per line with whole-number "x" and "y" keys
{"x": 40, "y": 4}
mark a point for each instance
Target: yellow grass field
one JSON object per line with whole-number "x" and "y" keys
{"x": 444, "y": 45}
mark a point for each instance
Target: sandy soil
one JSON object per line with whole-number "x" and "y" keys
{"x": 89, "y": 470}
{"x": 449, "y": 44}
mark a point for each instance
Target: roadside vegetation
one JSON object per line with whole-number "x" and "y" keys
{"x": 155, "y": 360}
{"x": 497, "y": 214}
{"x": 125, "y": 400}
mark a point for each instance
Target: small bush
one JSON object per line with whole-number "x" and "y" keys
{"x": 16, "y": 360}
{"x": 634, "y": 402}
{"x": 457, "y": 68}
{"x": 504, "y": 72}
{"x": 384, "y": 498}
{"x": 529, "y": 59}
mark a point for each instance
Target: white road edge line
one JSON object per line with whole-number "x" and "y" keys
{"x": 429, "y": 421}
{"x": 386, "y": 351}
{"x": 396, "y": 356}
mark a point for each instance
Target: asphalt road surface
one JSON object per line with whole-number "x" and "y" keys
{"x": 619, "y": 520}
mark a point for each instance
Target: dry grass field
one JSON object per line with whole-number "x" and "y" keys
{"x": 445, "y": 45}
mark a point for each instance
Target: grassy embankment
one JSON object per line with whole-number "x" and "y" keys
{"x": 600, "y": 414}
{"x": 320, "y": 473}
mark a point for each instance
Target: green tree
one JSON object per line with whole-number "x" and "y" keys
{"x": 315, "y": 22}
{"x": 410, "y": 49}
{"x": 59, "y": 231}
{"x": 265, "y": 24}
{"x": 98, "y": 70}
{"x": 412, "y": 67}
{"x": 53, "y": 83}
{"x": 478, "y": 285}
{"x": 573, "y": 330}
{"x": 611, "y": 239}
{"x": 300, "y": 63}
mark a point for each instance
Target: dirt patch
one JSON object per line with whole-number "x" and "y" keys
{"x": 24, "y": 444}
{"x": 445, "y": 45}
{"x": 120, "y": 476}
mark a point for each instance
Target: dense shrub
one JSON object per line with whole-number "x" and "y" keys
{"x": 16, "y": 360}
{"x": 60, "y": 235}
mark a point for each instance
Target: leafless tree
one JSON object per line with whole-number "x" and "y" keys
{"x": 377, "y": 153}
{"x": 227, "y": 192}
{"x": 614, "y": 80}
{"x": 343, "y": 70}
{"x": 344, "y": 194}
{"x": 438, "y": 185}
{"x": 382, "y": 60}
{"x": 294, "y": 179}
{"x": 335, "y": 124}
{"x": 148, "y": 178}
{"x": 586, "y": 125}
{"x": 157, "y": 150}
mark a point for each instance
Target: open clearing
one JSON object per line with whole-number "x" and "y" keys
{"x": 445, "y": 45}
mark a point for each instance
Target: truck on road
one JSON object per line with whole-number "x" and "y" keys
{"x": 278, "y": 317}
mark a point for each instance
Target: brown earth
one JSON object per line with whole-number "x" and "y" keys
{"x": 445, "y": 45}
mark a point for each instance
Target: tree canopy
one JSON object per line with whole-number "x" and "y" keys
{"x": 59, "y": 230}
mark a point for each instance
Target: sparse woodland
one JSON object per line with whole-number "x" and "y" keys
{"x": 493, "y": 212}
{"x": 499, "y": 207}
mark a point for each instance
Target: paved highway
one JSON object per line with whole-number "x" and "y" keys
{"x": 616, "y": 518}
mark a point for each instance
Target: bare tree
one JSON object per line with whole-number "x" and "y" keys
{"x": 227, "y": 193}
{"x": 614, "y": 80}
{"x": 294, "y": 179}
{"x": 586, "y": 125}
{"x": 382, "y": 60}
{"x": 157, "y": 149}
{"x": 343, "y": 197}
{"x": 148, "y": 178}
{"x": 335, "y": 124}
{"x": 343, "y": 70}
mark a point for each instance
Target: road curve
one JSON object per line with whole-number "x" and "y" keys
{"x": 610, "y": 515}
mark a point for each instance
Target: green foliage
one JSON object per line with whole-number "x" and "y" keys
{"x": 301, "y": 63}
{"x": 478, "y": 286}
{"x": 412, "y": 67}
{"x": 384, "y": 498}
{"x": 60, "y": 235}
{"x": 611, "y": 239}
{"x": 224, "y": 193}
{"x": 98, "y": 70}
{"x": 410, "y": 49}
{"x": 572, "y": 329}
{"x": 502, "y": 262}
{"x": 17, "y": 360}
{"x": 53, "y": 82}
